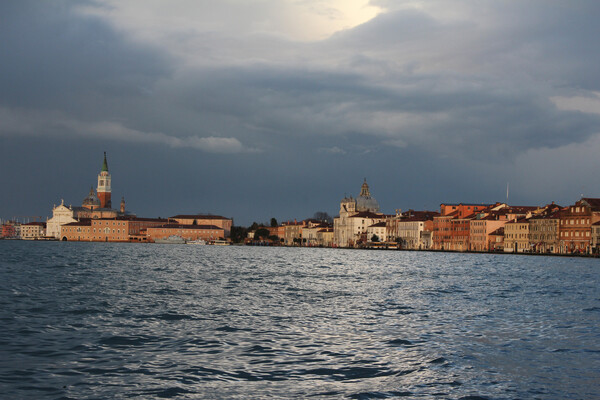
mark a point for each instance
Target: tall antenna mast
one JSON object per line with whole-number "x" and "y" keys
{"x": 507, "y": 193}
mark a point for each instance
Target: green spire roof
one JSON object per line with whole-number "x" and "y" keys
{"x": 105, "y": 164}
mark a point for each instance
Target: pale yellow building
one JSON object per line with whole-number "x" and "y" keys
{"x": 516, "y": 236}
{"x": 33, "y": 230}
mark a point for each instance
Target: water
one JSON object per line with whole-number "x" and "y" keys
{"x": 98, "y": 321}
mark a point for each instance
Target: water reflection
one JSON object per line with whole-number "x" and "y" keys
{"x": 109, "y": 320}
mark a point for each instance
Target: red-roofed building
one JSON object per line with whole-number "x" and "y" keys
{"x": 205, "y": 219}
{"x": 575, "y": 229}
{"x": 33, "y": 230}
{"x": 596, "y": 238}
{"x": 120, "y": 229}
{"x": 187, "y": 232}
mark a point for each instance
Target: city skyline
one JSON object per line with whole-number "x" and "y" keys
{"x": 279, "y": 109}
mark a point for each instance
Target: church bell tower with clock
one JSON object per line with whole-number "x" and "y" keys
{"x": 104, "y": 186}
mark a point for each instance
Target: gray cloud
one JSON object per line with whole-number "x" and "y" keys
{"x": 446, "y": 86}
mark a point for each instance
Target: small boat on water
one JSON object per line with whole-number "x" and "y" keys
{"x": 197, "y": 241}
{"x": 220, "y": 242}
{"x": 173, "y": 239}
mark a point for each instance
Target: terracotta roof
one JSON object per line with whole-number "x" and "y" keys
{"x": 132, "y": 218}
{"x": 378, "y": 225}
{"x": 198, "y": 216}
{"x": 411, "y": 215}
{"x": 415, "y": 219}
{"x": 464, "y": 204}
{"x": 366, "y": 214}
{"x": 451, "y": 215}
{"x": 292, "y": 223}
{"x": 181, "y": 226}
{"x": 594, "y": 203}
{"x": 518, "y": 220}
{"x": 35, "y": 223}
{"x": 498, "y": 232}
{"x": 83, "y": 222}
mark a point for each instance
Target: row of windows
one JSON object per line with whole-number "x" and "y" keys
{"x": 107, "y": 223}
{"x": 575, "y": 221}
{"x": 574, "y": 234}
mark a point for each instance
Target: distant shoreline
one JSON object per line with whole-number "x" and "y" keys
{"x": 348, "y": 248}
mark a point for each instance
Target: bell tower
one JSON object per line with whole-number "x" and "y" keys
{"x": 104, "y": 190}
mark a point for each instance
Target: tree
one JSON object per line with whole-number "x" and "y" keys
{"x": 238, "y": 234}
{"x": 322, "y": 216}
{"x": 374, "y": 238}
{"x": 273, "y": 222}
{"x": 261, "y": 233}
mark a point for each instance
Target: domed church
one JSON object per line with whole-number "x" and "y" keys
{"x": 97, "y": 204}
{"x": 356, "y": 215}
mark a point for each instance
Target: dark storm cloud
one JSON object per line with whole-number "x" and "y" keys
{"x": 53, "y": 57}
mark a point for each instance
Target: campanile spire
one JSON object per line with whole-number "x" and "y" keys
{"x": 104, "y": 189}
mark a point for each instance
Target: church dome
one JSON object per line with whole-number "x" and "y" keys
{"x": 365, "y": 202}
{"x": 91, "y": 200}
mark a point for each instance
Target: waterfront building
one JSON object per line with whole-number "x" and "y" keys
{"x": 481, "y": 229}
{"x": 187, "y": 232}
{"x": 325, "y": 237}
{"x": 442, "y": 229}
{"x": 310, "y": 233}
{"x": 575, "y": 228}
{"x": 61, "y": 215}
{"x": 451, "y": 229}
{"x": 543, "y": 230}
{"x": 412, "y": 229}
{"x": 33, "y": 230}
{"x": 516, "y": 236}
{"x": 9, "y": 230}
{"x": 120, "y": 229}
{"x": 77, "y": 231}
{"x": 293, "y": 232}
{"x": 497, "y": 240}
{"x": 278, "y": 231}
{"x": 356, "y": 215}
{"x": 377, "y": 231}
{"x": 462, "y": 210}
{"x": 596, "y": 238}
{"x": 205, "y": 219}
{"x": 460, "y": 229}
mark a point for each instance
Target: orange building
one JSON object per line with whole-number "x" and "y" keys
{"x": 481, "y": 231}
{"x": 575, "y": 228}
{"x": 187, "y": 232}
{"x": 204, "y": 219}
{"x": 442, "y": 231}
{"x": 461, "y": 210}
{"x": 121, "y": 229}
{"x": 278, "y": 231}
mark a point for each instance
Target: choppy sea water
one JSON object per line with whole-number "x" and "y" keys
{"x": 100, "y": 321}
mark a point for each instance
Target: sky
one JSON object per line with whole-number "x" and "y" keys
{"x": 280, "y": 108}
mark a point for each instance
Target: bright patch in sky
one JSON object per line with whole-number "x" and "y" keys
{"x": 590, "y": 104}
{"x": 299, "y": 20}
